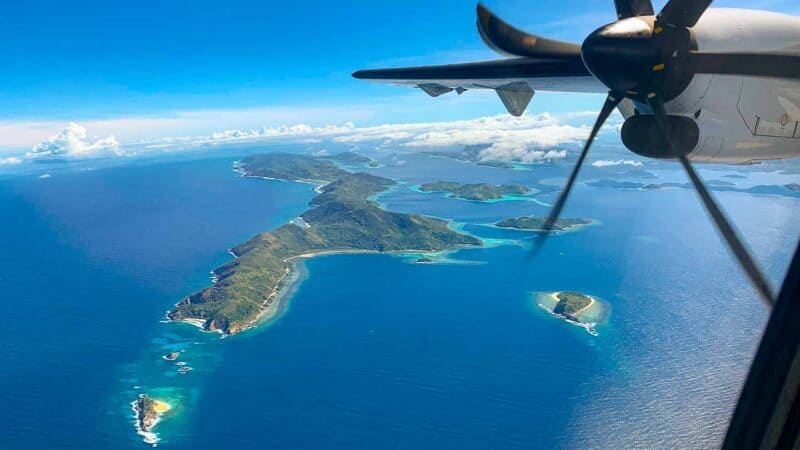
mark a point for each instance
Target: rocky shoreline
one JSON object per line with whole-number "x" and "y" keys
{"x": 147, "y": 416}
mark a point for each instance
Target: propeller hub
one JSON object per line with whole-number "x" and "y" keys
{"x": 622, "y": 54}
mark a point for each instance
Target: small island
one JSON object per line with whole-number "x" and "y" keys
{"x": 571, "y": 304}
{"x": 148, "y": 413}
{"x": 723, "y": 183}
{"x": 350, "y": 158}
{"x": 480, "y": 192}
{"x": 472, "y": 154}
{"x": 537, "y": 224}
{"x": 652, "y": 186}
{"x": 172, "y": 356}
{"x": 495, "y": 164}
{"x": 787, "y": 190}
{"x": 575, "y": 308}
{"x": 251, "y": 289}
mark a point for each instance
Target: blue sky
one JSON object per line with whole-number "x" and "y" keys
{"x": 144, "y": 67}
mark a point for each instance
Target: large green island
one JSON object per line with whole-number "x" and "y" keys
{"x": 477, "y": 192}
{"x": 537, "y": 224}
{"x": 250, "y": 289}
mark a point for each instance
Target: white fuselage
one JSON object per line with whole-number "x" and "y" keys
{"x": 743, "y": 119}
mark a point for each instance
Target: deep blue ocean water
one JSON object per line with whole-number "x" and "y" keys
{"x": 372, "y": 351}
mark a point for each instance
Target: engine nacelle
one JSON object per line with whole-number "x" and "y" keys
{"x": 641, "y": 135}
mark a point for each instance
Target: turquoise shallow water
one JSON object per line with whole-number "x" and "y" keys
{"x": 372, "y": 351}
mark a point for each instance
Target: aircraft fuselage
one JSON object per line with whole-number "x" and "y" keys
{"x": 743, "y": 119}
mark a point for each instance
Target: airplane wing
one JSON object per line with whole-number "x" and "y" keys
{"x": 514, "y": 79}
{"x": 539, "y": 64}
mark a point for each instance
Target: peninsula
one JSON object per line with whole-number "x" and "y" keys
{"x": 251, "y": 288}
{"x": 480, "y": 192}
{"x": 537, "y": 224}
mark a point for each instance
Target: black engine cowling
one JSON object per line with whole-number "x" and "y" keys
{"x": 642, "y": 136}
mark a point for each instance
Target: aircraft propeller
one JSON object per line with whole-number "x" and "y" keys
{"x": 650, "y": 60}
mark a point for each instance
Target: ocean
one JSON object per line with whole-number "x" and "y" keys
{"x": 373, "y": 351}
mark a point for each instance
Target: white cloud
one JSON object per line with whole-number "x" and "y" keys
{"x": 22, "y": 134}
{"x": 155, "y": 129}
{"x": 530, "y": 138}
{"x": 323, "y": 152}
{"x": 510, "y": 151}
{"x": 10, "y": 161}
{"x": 73, "y": 142}
{"x": 527, "y": 139}
{"x": 619, "y": 162}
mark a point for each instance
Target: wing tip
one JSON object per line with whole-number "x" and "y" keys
{"x": 483, "y": 13}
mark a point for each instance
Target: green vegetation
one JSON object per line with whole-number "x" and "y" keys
{"x": 290, "y": 167}
{"x": 348, "y": 158}
{"x": 477, "y": 192}
{"x": 788, "y": 190}
{"x": 496, "y": 164}
{"x": 606, "y": 183}
{"x": 343, "y": 218}
{"x": 669, "y": 185}
{"x": 472, "y": 154}
{"x": 571, "y": 304}
{"x": 440, "y": 186}
{"x": 537, "y": 223}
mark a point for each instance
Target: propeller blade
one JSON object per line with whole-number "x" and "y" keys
{"x": 683, "y": 13}
{"x": 747, "y": 64}
{"x": 729, "y": 234}
{"x": 633, "y": 8}
{"x": 612, "y": 101}
{"x": 507, "y": 40}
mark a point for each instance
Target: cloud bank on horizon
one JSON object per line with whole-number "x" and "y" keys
{"x": 528, "y": 139}
{"x": 10, "y": 161}
{"x": 73, "y": 142}
{"x": 619, "y": 162}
